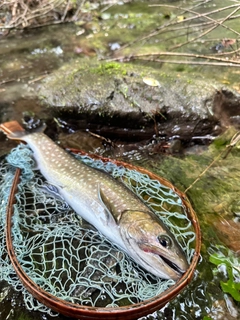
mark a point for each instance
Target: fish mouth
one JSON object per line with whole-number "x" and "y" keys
{"x": 173, "y": 265}
{"x": 173, "y": 268}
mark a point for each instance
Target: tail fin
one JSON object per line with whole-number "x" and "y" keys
{"x": 13, "y": 130}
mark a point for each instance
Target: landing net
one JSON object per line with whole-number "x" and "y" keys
{"x": 65, "y": 255}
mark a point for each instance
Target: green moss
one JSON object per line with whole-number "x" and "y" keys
{"x": 224, "y": 139}
{"x": 180, "y": 68}
{"x": 109, "y": 68}
{"x": 216, "y": 190}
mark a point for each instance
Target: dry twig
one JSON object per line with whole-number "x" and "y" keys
{"x": 199, "y": 32}
{"x": 20, "y": 14}
{"x": 235, "y": 139}
{"x": 175, "y": 22}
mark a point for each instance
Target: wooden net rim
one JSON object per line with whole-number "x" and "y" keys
{"x": 133, "y": 311}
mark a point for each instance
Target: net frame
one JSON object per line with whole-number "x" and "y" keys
{"x": 128, "y": 312}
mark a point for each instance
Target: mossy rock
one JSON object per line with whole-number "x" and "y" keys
{"x": 134, "y": 96}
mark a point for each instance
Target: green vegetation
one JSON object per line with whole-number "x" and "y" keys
{"x": 227, "y": 264}
{"x": 109, "y": 68}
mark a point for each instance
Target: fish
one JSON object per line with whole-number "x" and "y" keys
{"x": 107, "y": 204}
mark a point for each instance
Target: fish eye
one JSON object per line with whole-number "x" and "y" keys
{"x": 165, "y": 241}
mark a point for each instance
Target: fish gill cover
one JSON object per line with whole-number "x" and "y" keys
{"x": 66, "y": 256}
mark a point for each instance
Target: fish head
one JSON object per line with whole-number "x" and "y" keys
{"x": 152, "y": 245}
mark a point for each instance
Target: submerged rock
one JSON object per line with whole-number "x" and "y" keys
{"x": 139, "y": 98}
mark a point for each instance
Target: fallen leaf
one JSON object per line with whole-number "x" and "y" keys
{"x": 151, "y": 82}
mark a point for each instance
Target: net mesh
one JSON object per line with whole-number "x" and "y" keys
{"x": 65, "y": 255}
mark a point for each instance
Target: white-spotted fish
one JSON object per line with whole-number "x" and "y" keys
{"x": 107, "y": 204}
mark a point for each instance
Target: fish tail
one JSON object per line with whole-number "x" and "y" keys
{"x": 14, "y": 130}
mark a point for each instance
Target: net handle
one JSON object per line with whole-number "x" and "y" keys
{"x": 121, "y": 313}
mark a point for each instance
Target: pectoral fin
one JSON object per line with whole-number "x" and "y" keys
{"x": 107, "y": 203}
{"x": 53, "y": 190}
